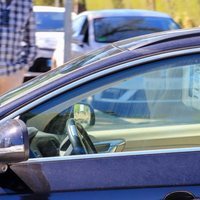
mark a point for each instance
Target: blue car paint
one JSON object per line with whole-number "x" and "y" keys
{"x": 125, "y": 194}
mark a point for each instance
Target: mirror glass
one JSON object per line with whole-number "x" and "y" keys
{"x": 83, "y": 114}
{"x": 14, "y": 145}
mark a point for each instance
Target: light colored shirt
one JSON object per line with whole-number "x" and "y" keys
{"x": 17, "y": 36}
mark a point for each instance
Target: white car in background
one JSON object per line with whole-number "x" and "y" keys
{"x": 49, "y": 28}
{"x": 94, "y": 29}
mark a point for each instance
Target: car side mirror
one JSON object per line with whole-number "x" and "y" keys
{"x": 78, "y": 40}
{"x": 14, "y": 143}
{"x": 84, "y": 114}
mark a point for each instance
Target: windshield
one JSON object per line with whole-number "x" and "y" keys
{"x": 49, "y": 21}
{"x": 112, "y": 29}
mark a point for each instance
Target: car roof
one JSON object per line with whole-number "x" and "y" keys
{"x": 124, "y": 12}
{"x": 48, "y": 9}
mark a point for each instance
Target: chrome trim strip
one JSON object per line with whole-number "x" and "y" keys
{"x": 116, "y": 154}
{"x": 93, "y": 76}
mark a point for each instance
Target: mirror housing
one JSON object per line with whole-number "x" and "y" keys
{"x": 84, "y": 114}
{"x": 14, "y": 143}
{"x": 78, "y": 39}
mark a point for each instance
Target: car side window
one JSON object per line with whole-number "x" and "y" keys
{"x": 159, "y": 109}
{"x": 147, "y": 107}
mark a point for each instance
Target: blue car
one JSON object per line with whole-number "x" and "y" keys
{"x": 121, "y": 122}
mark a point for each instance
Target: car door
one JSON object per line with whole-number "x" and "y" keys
{"x": 146, "y": 133}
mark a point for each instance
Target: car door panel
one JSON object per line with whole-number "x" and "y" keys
{"x": 126, "y": 194}
{"x": 121, "y": 171}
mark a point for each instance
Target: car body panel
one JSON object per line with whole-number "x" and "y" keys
{"x": 143, "y": 169}
{"x": 128, "y": 194}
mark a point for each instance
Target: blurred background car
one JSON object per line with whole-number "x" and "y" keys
{"x": 94, "y": 29}
{"x": 49, "y": 28}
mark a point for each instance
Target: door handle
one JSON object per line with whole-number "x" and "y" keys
{"x": 181, "y": 195}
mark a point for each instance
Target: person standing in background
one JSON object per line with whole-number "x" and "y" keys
{"x": 17, "y": 42}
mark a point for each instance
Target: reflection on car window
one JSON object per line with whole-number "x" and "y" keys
{"x": 156, "y": 109}
{"x": 112, "y": 29}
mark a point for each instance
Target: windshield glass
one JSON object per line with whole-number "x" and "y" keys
{"x": 49, "y": 21}
{"x": 112, "y": 29}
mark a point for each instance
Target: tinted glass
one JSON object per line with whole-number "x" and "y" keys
{"x": 159, "y": 109}
{"x": 49, "y": 21}
{"x": 112, "y": 29}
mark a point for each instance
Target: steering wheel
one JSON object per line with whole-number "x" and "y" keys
{"x": 79, "y": 139}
